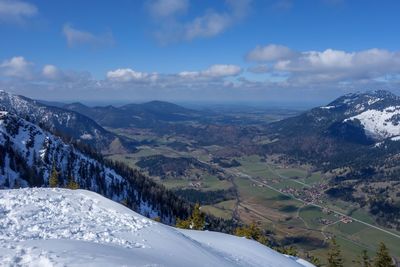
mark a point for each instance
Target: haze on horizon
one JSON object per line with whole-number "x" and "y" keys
{"x": 182, "y": 51}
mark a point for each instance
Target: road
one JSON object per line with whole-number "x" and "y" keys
{"x": 236, "y": 172}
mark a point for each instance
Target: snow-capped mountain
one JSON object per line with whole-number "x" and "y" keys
{"x": 60, "y": 227}
{"x": 378, "y": 112}
{"x": 358, "y": 117}
{"x": 29, "y": 154}
{"x": 65, "y": 122}
{"x": 357, "y": 128}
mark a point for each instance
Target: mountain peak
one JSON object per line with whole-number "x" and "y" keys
{"x": 380, "y": 93}
{"x": 365, "y": 99}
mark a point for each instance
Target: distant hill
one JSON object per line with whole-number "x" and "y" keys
{"x": 145, "y": 115}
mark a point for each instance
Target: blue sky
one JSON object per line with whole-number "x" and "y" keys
{"x": 287, "y": 51}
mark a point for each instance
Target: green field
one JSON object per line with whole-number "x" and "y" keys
{"x": 223, "y": 209}
{"x": 353, "y": 237}
{"x": 211, "y": 183}
{"x": 284, "y": 215}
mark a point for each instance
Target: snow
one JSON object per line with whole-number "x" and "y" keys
{"x": 61, "y": 227}
{"x": 396, "y": 138}
{"x": 374, "y": 100}
{"x": 86, "y": 136}
{"x": 328, "y": 107}
{"x": 379, "y": 122}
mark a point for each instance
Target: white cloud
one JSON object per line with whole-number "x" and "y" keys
{"x": 77, "y": 37}
{"x": 214, "y": 23}
{"x": 14, "y": 11}
{"x": 50, "y": 72}
{"x": 167, "y": 8}
{"x": 270, "y": 52}
{"x": 129, "y": 75}
{"x": 189, "y": 74}
{"x": 214, "y": 71}
{"x": 222, "y": 71}
{"x": 328, "y": 66}
{"x": 325, "y": 72}
{"x": 211, "y": 23}
{"x": 337, "y": 65}
{"x": 309, "y": 74}
{"x": 16, "y": 67}
{"x": 208, "y": 25}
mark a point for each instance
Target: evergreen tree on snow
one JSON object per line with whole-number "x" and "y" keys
{"x": 53, "y": 180}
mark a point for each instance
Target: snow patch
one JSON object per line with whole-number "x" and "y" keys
{"x": 328, "y": 107}
{"x": 396, "y": 138}
{"x": 381, "y": 124}
{"x": 86, "y": 136}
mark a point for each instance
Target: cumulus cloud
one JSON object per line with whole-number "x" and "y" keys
{"x": 77, "y": 37}
{"x": 129, "y": 75}
{"x": 16, "y": 67}
{"x": 222, "y": 71}
{"x": 337, "y": 65}
{"x": 214, "y": 71}
{"x": 14, "y": 11}
{"x": 325, "y": 73}
{"x": 211, "y": 23}
{"x": 51, "y": 72}
{"x": 270, "y": 52}
{"x": 330, "y": 65}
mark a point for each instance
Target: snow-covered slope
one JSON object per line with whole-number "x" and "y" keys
{"x": 60, "y": 227}
{"x": 28, "y": 154}
{"x": 66, "y": 122}
{"x": 378, "y": 112}
{"x": 380, "y": 124}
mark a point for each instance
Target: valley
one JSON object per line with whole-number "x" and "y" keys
{"x": 289, "y": 197}
{"x": 287, "y": 200}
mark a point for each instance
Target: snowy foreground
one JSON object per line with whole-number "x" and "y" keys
{"x": 60, "y": 227}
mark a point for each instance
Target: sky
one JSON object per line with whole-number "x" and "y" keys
{"x": 214, "y": 51}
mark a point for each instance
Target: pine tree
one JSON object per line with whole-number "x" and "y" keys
{"x": 334, "y": 255}
{"x": 198, "y": 218}
{"x": 196, "y": 221}
{"x": 72, "y": 184}
{"x": 53, "y": 180}
{"x": 183, "y": 224}
{"x": 252, "y": 232}
{"x": 365, "y": 261}
{"x": 314, "y": 260}
{"x": 382, "y": 258}
{"x": 291, "y": 250}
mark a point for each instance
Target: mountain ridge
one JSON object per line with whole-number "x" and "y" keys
{"x": 29, "y": 155}
{"x": 148, "y": 114}
{"x": 65, "y": 122}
